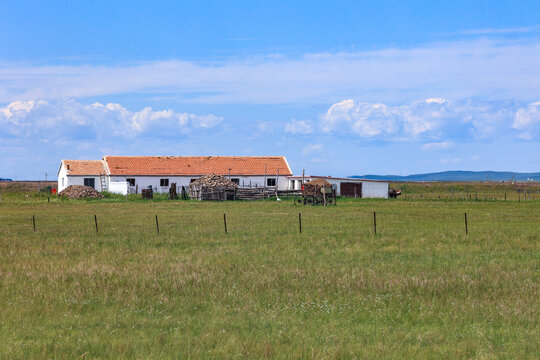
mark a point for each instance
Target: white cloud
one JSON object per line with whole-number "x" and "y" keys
{"x": 364, "y": 119}
{"x": 202, "y": 121}
{"x": 527, "y": 120}
{"x": 67, "y": 118}
{"x": 434, "y": 120}
{"x": 443, "y": 145}
{"x": 312, "y": 148}
{"x": 489, "y": 69}
{"x": 298, "y": 127}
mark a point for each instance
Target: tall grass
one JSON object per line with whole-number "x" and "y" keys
{"x": 420, "y": 288}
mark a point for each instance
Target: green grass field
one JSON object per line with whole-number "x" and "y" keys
{"x": 419, "y": 288}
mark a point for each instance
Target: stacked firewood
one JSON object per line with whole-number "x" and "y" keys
{"x": 80, "y": 191}
{"x": 213, "y": 181}
{"x": 314, "y": 186}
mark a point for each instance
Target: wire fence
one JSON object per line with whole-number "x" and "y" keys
{"x": 200, "y": 224}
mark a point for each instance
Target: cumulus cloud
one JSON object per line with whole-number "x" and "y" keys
{"x": 67, "y": 118}
{"x": 298, "y": 127}
{"x": 435, "y": 120}
{"x": 527, "y": 120}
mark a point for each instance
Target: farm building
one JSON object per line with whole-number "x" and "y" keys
{"x": 131, "y": 174}
{"x": 91, "y": 173}
{"x": 351, "y": 187}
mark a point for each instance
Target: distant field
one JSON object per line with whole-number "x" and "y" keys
{"x": 419, "y": 288}
{"x": 26, "y": 186}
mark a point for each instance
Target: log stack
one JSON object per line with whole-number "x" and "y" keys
{"x": 314, "y": 186}
{"x": 80, "y": 192}
{"x": 213, "y": 187}
{"x": 214, "y": 181}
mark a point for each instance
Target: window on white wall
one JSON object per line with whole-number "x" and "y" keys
{"x": 131, "y": 182}
{"x": 62, "y": 182}
{"x": 271, "y": 182}
{"x": 163, "y": 182}
{"x": 91, "y": 182}
{"x": 236, "y": 181}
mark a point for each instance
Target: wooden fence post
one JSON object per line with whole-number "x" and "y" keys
{"x": 95, "y": 221}
{"x": 157, "y": 224}
{"x": 375, "y": 222}
{"x": 466, "y": 228}
{"x": 300, "y": 222}
{"x": 225, "y": 222}
{"x": 34, "y": 222}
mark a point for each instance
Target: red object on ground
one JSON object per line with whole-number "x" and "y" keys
{"x": 53, "y": 191}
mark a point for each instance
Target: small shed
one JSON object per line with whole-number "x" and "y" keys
{"x": 213, "y": 187}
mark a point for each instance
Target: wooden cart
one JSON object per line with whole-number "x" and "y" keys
{"x": 313, "y": 194}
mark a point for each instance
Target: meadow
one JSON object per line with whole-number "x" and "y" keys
{"x": 418, "y": 288}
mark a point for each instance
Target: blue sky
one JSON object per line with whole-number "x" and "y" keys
{"x": 340, "y": 88}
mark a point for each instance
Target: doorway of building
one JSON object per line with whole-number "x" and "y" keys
{"x": 350, "y": 189}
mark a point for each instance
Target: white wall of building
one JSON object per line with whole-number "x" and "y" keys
{"x": 374, "y": 189}
{"x": 119, "y": 187}
{"x": 79, "y": 180}
{"x": 143, "y": 182}
{"x": 62, "y": 178}
{"x": 370, "y": 189}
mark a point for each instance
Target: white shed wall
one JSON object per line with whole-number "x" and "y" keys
{"x": 119, "y": 187}
{"x": 372, "y": 189}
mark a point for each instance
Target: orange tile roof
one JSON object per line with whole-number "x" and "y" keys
{"x": 196, "y": 165}
{"x": 84, "y": 167}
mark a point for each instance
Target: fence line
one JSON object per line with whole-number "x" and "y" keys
{"x": 277, "y": 222}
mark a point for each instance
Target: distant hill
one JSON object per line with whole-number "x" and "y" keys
{"x": 457, "y": 176}
{"x": 2, "y": 179}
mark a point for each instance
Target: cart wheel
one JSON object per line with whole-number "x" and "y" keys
{"x": 299, "y": 201}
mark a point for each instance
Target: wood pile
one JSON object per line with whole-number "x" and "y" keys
{"x": 213, "y": 187}
{"x": 313, "y": 187}
{"x": 214, "y": 181}
{"x": 80, "y": 191}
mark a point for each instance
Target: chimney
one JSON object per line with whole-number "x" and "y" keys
{"x": 67, "y": 166}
